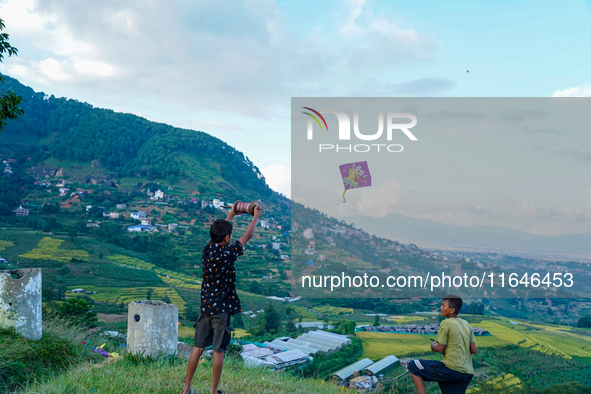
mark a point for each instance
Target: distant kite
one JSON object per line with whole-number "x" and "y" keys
{"x": 355, "y": 175}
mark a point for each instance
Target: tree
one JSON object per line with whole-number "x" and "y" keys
{"x": 290, "y": 327}
{"x": 255, "y": 287}
{"x": 77, "y": 310}
{"x": 9, "y": 101}
{"x": 584, "y": 322}
{"x": 237, "y": 321}
{"x": 271, "y": 318}
{"x": 376, "y": 321}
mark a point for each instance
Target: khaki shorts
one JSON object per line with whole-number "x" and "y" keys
{"x": 213, "y": 330}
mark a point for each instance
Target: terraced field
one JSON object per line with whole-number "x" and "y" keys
{"x": 557, "y": 340}
{"x": 5, "y": 244}
{"x": 126, "y": 295}
{"x": 333, "y": 310}
{"x": 48, "y": 249}
{"x": 506, "y": 382}
{"x": 171, "y": 278}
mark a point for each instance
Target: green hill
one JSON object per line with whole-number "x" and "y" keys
{"x": 106, "y": 146}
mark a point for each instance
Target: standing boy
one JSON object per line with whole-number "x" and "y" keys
{"x": 219, "y": 300}
{"x": 456, "y": 341}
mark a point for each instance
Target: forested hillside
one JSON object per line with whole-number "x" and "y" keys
{"x": 127, "y": 145}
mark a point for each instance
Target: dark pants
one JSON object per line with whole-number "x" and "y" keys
{"x": 450, "y": 381}
{"x": 213, "y": 330}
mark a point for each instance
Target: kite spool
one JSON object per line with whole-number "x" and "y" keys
{"x": 240, "y": 207}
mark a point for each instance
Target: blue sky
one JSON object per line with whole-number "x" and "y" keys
{"x": 230, "y": 68}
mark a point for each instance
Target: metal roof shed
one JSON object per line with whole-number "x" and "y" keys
{"x": 382, "y": 364}
{"x": 351, "y": 369}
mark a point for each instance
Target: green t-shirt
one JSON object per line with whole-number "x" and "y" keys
{"x": 457, "y": 335}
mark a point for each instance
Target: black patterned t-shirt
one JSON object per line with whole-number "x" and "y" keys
{"x": 218, "y": 289}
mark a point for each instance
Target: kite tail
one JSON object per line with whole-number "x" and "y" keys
{"x": 344, "y": 200}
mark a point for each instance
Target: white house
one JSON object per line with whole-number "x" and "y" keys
{"x": 308, "y": 233}
{"x": 20, "y": 211}
{"x": 138, "y": 215}
{"x": 217, "y": 204}
{"x": 140, "y": 228}
{"x": 172, "y": 226}
{"x": 146, "y": 222}
{"x": 159, "y": 194}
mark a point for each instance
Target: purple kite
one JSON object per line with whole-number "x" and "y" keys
{"x": 355, "y": 175}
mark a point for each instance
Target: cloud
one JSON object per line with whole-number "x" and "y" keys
{"x": 578, "y": 91}
{"x": 350, "y": 27}
{"x": 278, "y": 177}
{"x": 237, "y": 59}
{"x": 379, "y": 201}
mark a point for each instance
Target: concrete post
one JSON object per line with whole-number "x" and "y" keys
{"x": 152, "y": 328}
{"x": 20, "y": 301}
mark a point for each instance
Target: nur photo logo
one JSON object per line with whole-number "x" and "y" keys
{"x": 390, "y": 124}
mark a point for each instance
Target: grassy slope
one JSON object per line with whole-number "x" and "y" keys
{"x": 167, "y": 376}
{"x": 60, "y": 364}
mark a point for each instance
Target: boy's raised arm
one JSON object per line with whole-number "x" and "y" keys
{"x": 251, "y": 227}
{"x": 231, "y": 215}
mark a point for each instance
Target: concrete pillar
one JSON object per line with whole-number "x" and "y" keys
{"x": 152, "y": 328}
{"x": 20, "y": 301}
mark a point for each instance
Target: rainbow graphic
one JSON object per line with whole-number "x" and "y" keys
{"x": 315, "y": 118}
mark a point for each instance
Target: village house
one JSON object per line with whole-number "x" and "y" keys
{"x": 20, "y": 211}
{"x": 308, "y": 233}
{"x": 138, "y": 215}
{"x": 311, "y": 248}
{"x": 146, "y": 222}
{"x": 172, "y": 226}
{"x": 217, "y": 204}
{"x": 140, "y": 228}
{"x": 121, "y": 206}
{"x": 114, "y": 215}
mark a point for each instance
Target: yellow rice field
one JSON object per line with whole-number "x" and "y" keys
{"x": 563, "y": 343}
{"x": 129, "y": 294}
{"x": 48, "y": 249}
{"x": 5, "y": 244}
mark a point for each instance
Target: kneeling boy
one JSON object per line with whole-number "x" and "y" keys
{"x": 456, "y": 341}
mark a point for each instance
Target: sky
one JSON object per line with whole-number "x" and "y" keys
{"x": 231, "y": 68}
